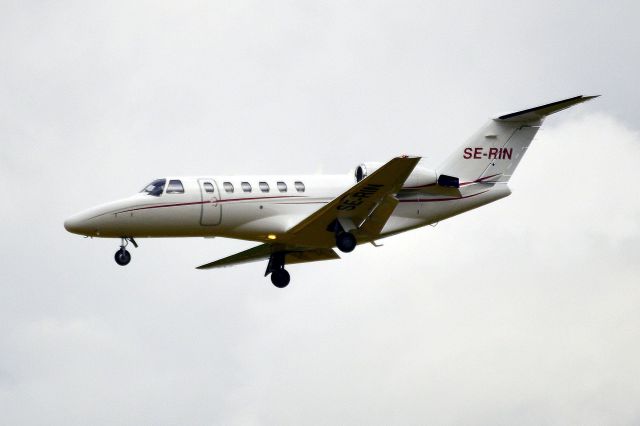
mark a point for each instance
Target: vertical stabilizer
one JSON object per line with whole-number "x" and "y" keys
{"x": 493, "y": 153}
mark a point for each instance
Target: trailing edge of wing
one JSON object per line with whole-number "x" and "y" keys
{"x": 539, "y": 112}
{"x": 264, "y": 251}
{"x": 314, "y": 255}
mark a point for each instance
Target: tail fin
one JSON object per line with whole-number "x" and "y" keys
{"x": 493, "y": 153}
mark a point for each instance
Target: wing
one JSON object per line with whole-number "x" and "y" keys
{"x": 370, "y": 199}
{"x": 263, "y": 251}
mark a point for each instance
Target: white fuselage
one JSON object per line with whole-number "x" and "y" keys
{"x": 208, "y": 207}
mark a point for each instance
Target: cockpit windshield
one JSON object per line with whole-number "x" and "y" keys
{"x": 155, "y": 188}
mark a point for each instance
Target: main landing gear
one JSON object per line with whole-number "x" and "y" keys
{"x": 279, "y": 276}
{"x": 122, "y": 256}
{"x": 345, "y": 240}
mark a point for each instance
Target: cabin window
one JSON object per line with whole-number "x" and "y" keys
{"x": 208, "y": 187}
{"x": 175, "y": 187}
{"x": 228, "y": 186}
{"x": 282, "y": 187}
{"x": 155, "y": 188}
{"x": 299, "y": 186}
{"x": 264, "y": 186}
{"x": 246, "y": 186}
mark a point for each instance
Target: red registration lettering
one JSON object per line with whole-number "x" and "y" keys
{"x": 477, "y": 153}
{"x": 467, "y": 153}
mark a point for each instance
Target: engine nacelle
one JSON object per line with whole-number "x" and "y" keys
{"x": 365, "y": 169}
{"x": 421, "y": 176}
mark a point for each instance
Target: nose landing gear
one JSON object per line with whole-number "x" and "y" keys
{"x": 279, "y": 276}
{"x": 122, "y": 256}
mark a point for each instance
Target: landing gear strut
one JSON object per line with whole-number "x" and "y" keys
{"x": 279, "y": 276}
{"x": 122, "y": 256}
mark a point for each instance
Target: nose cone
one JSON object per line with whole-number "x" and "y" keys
{"x": 77, "y": 224}
{"x": 99, "y": 221}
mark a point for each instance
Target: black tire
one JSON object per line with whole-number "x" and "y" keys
{"x": 122, "y": 257}
{"x": 280, "y": 278}
{"x": 346, "y": 242}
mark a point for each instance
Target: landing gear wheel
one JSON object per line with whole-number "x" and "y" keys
{"x": 280, "y": 278}
{"x": 346, "y": 242}
{"x": 123, "y": 257}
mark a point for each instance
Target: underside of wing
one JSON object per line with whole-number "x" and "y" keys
{"x": 313, "y": 255}
{"x": 356, "y": 206}
{"x": 292, "y": 255}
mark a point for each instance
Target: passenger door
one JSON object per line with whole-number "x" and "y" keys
{"x": 211, "y": 208}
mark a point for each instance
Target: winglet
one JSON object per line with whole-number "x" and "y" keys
{"x": 540, "y": 112}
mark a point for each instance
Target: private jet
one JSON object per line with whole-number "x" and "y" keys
{"x": 302, "y": 218}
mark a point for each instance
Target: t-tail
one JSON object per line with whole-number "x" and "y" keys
{"x": 492, "y": 154}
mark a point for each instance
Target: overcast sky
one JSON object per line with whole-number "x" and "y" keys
{"x": 522, "y": 312}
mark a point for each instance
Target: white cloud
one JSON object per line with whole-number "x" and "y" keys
{"x": 524, "y": 311}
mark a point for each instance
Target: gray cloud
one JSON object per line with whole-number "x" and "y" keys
{"x": 520, "y": 312}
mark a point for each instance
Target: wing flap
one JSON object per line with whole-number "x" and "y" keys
{"x": 310, "y": 256}
{"x": 377, "y": 219}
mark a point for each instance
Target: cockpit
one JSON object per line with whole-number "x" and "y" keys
{"x": 156, "y": 188}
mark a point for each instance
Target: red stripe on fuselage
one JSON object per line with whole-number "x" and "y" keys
{"x": 481, "y": 180}
{"x": 431, "y": 200}
{"x": 419, "y": 200}
{"x": 159, "y": 206}
{"x": 418, "y": 187}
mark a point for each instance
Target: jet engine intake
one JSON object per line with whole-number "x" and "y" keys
{"x": 365, "y": 169}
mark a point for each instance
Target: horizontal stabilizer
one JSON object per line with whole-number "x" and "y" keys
{"x": 540, "y": 112}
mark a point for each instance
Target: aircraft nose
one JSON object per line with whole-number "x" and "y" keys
{"x": 76, "y": 225}
{"x": 71, "y": 225}
{"x": 96, "y": 221}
